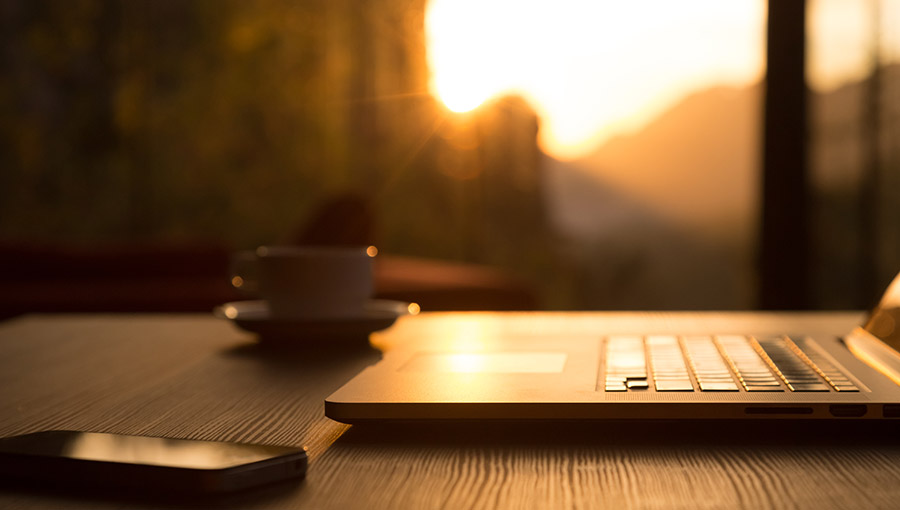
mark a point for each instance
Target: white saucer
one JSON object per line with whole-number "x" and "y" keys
{"x": 254, "y": 316}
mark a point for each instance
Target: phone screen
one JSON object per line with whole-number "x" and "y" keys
{"x": 88, "y": 457}
{"x": 181, "y": 453}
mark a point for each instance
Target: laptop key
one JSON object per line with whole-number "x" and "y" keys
{"x": 667, "y": 364}
{"x": 754, "y": 387}
{"x": 674, "y": 385}
{"x": 711, "y": 370}
{"x": 808, "y": 387}
{"x": 751, "y": 369}
{"x": 803, "y": 380}
{"x": 626, "y": 367}
{"x": 718, "y": 386}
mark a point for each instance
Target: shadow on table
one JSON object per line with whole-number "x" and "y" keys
{"x": 350, "y": 354}
{"x": 660, "y": 433}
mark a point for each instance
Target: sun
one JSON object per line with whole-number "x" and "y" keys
{"x": 457, "y": 32}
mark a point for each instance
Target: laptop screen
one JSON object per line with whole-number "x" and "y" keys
{"x": 884, "y": 321}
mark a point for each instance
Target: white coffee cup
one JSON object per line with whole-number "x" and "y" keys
{"x": 308, "y": 282}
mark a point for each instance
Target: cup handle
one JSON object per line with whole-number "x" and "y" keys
{"x": 244, "y": 272}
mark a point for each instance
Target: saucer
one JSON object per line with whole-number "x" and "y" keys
{"x": 254, "y": 316}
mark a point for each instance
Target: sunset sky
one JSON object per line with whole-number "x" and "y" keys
{"x": 594, "y": 69}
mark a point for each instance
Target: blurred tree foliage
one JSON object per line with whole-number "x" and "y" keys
{"x": 230, "y": 120}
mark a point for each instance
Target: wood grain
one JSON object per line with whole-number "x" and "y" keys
{"x": 197, "y": 377}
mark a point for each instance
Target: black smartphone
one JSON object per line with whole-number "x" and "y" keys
{"x": 88, "y": 459}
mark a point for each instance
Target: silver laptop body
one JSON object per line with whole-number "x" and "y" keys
{"x": 573, "y": 377}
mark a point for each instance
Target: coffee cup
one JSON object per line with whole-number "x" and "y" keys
{"x": 308, "y": 282}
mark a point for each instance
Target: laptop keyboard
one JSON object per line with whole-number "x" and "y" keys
{"x": 719, "y": 363}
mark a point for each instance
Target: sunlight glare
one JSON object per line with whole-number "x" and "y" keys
{"x": 590, "y": 69}
{"x": 456, "y": 31}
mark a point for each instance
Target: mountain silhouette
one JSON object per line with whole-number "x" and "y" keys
{"x": 696, "y": 164}
{"x": 681, "y": 196}
{"x": 663, "y": 216}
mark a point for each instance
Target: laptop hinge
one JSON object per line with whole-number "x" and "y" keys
{"x": 875, "y": 353}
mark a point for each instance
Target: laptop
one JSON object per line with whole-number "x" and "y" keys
{"x": 637, "y": 376}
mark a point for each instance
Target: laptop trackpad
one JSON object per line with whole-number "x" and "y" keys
{"x": 487, "y": 363}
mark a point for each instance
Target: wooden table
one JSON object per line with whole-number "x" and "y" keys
{"x": 195, "y": 376}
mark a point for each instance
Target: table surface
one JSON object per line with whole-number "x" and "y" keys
{"x": 195, "y": 376}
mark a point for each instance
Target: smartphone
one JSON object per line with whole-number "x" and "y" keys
{"x": 81, "y": 459}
